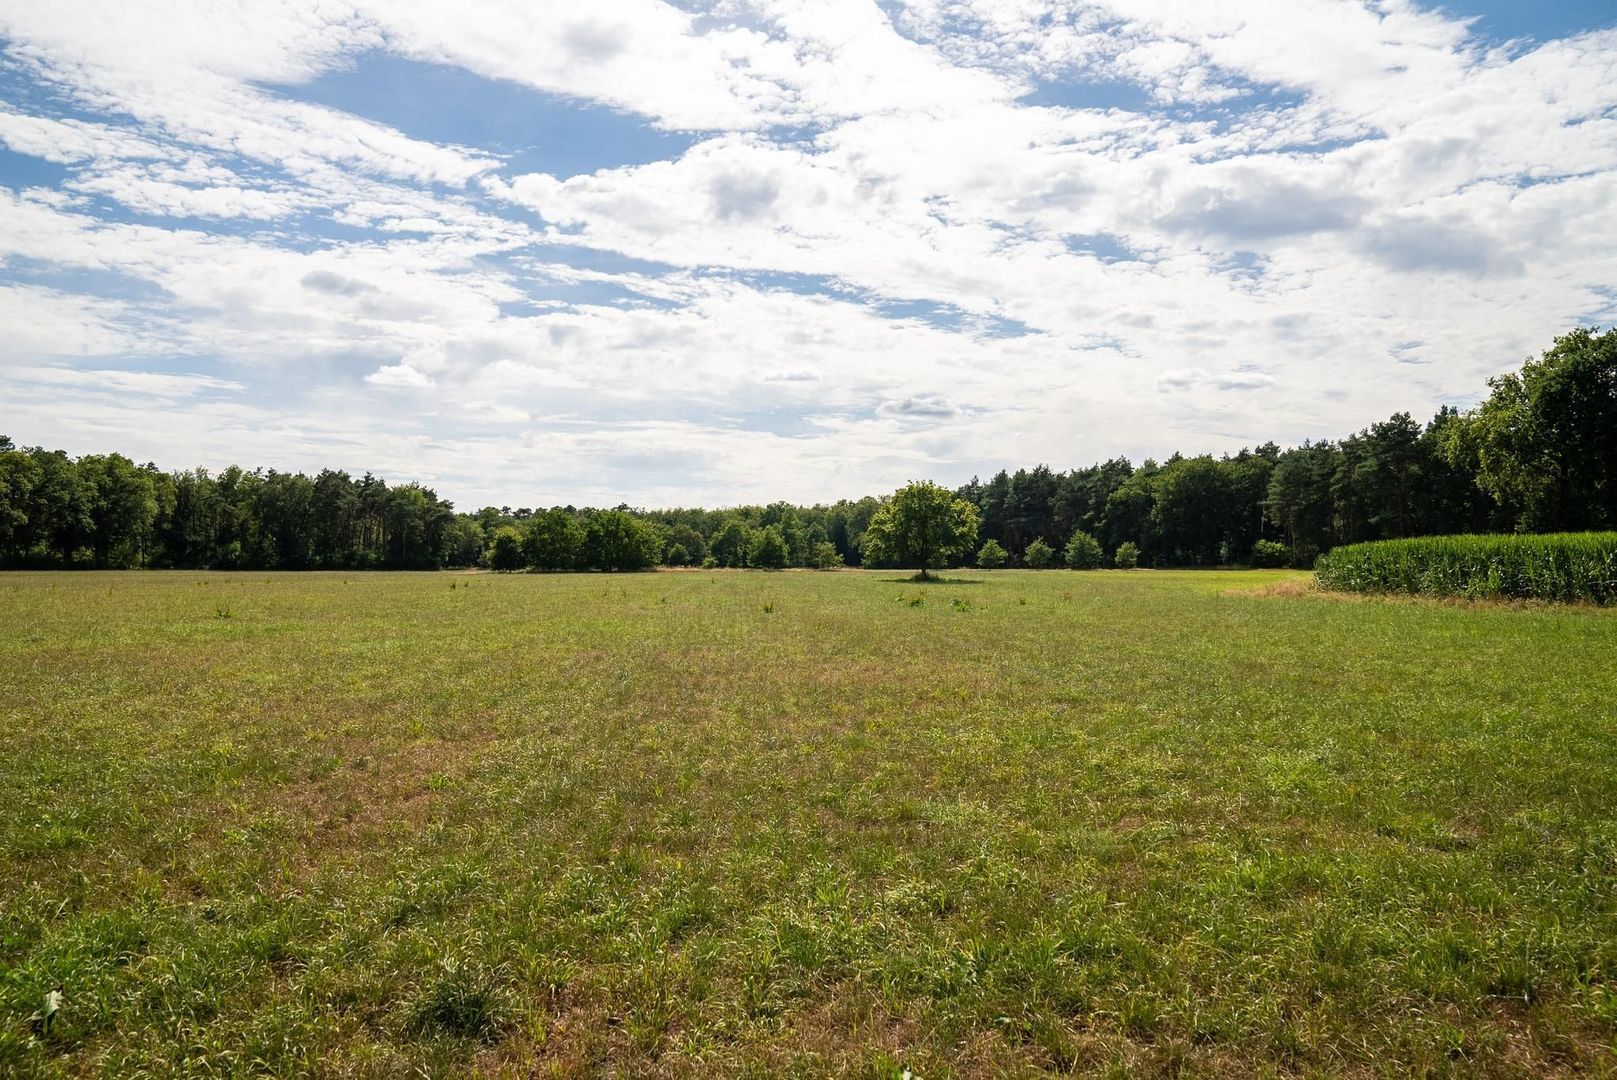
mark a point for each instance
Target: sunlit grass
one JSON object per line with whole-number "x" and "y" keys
{"x": 799, "y": 822}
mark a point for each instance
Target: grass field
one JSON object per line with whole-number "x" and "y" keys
{"x": 801, "y": 823}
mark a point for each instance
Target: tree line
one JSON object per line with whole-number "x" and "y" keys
{"x": 1538, "y": 455}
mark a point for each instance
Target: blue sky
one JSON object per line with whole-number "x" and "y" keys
{"x": 665, "y": 254}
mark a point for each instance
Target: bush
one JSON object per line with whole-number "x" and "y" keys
{"x": 1127, "y": 556}
{"x": 1083, "y": 552}
{"x": 506, "y": 552}
{"x": 1039, "y": 555}
{"x": 991, "y": 556}
{"x": 825, "y": 556}
{"x": 1267, "y": 554}
{"x": 1559, "y": 567}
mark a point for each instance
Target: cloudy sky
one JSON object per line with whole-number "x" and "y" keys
{"x": 670, "y": 253}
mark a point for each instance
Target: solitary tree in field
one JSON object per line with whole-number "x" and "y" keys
{"x": 991, "y": 556}
{"x": 922, "y": 526}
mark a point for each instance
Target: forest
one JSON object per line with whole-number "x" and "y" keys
{"x": 1539, "y": 454}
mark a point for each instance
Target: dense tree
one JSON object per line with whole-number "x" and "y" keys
{"x": 991, "y": 556}
{"x": 921, "y": 526}
{"x": 19, "y": 474}
{"x": 1544, "y": 443}
{"x": 1194, "y": 510}
{"x": 1299, "y": 499}
{"x": 1127, "y": 515}
{"x": 505, "y": 552}
{"x": 617, "y": 540}
{"x": 769, "y": 549}
{"x": 554, "y": 540}
{"x": 687, "y": 542}
{"x": 121, "y": 508}
{"x": 730, "y": 544}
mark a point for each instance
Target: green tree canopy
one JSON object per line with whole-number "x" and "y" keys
{"x": 617, "y": 540}
{"x": 921, "y": 526}
{"x": 505, "y": 553}
{"x": 1545, "y": 442}
{"x": 769, "y": 549}
{"x": 554, "y": 540}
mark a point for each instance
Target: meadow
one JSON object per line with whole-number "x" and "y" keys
{"x": 801, "y": 823}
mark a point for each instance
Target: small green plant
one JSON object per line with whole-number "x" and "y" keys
{"x": 769, "y": 608}
{"x": 466, "y": 1000}
{"x": 1127, "y": 555}
{"x": 222, "y": 611}
{"x": 45, "y": 1018}
{"x": 960, "y": 605}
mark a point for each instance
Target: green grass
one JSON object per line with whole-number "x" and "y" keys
{"x": 1558, "y": 567}
{"x": 799, "y": 823}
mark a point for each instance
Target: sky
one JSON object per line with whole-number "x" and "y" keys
{"x": 535, "y": 253}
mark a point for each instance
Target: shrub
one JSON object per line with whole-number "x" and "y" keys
{"x": 1267, "y": 554}
{"x": 1127, "y": 556}
{"x": 506, "y": 551}
{"x": 991, "y": 556}
{"x": 1559, "y": 566}
{"x": 1083, "y": 552}
{"x": 1039, "y": 555}
{"x": 825, "y": 556}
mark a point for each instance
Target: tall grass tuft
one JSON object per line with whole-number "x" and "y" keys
{"x": 1558, "y": 567}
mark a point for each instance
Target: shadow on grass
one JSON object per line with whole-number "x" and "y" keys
{"x": 933, "y": 579}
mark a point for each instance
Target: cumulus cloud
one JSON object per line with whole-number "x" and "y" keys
{"x": 402, "y": 376}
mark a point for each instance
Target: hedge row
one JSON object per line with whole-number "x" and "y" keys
{"x": 1555, "y": 566}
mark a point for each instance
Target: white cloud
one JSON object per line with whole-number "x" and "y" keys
{"x": 884, "y": 261}
{"x": 402, "y": 376}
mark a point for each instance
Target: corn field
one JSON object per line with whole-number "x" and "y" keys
{"x": 1556, "y": 566}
